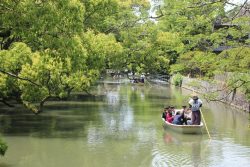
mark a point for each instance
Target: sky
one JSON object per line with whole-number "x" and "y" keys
{"x": 157, "y": 2}
{"x": 237, "y": 1}
{"x": 228, "y": 7}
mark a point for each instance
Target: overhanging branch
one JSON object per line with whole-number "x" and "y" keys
{"x": 18, "y": 77}
{"x": 242, "y": 6}
{"x": 201, "y": 4}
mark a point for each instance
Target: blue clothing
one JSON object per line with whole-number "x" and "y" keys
{"x": 177, "y": 120}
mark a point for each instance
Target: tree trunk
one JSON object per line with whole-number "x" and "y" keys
{"x": 33, "y": 108}
{"x": 42, "y": 104}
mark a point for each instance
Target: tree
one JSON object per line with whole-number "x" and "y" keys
{"x": 55, "y": 55}
{"x": 204, "y": 26}
{"x": 236, "y": 63}
{"x": 196, "y": 63}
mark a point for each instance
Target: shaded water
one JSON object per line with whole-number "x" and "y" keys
{"x": 123, "y": 128}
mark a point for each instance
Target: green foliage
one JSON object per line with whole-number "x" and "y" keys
{"x": 177, "y": 79}
{"x": 51, "y": 48}
{"x": 196, "y": 63}
{"x": 58, "y": 52}
{"x": 177, "y": 68}
{"x": 43, "y": 24}
{"x": 100, "y": 14}
{"x": 103, "y": 48}
{"x": 240, "y": 81}
{"x": 3, "y": 147}
{"x": 194, "y": 22}
{"x": 149, "y": 49}
{"x": 235, "y": 60}
{"x": 12, "y": 61}
{"x": 169, "y": 44}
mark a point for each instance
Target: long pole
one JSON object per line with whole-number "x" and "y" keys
{"x": 205, "y": 124}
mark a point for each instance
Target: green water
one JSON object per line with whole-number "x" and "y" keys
{"x": 123, "y": 128}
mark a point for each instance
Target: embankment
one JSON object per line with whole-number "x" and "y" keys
{"x": 235, "y": 98}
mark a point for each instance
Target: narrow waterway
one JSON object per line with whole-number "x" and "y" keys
{"x": 123, "y": 127}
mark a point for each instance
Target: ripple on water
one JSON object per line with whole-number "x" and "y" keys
{"x": 166, "y": 158}
{"x": 227, "y": 153}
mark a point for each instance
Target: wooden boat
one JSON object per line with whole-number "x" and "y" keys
{"x": 185, "y": 129}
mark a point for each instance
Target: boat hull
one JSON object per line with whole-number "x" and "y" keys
{"x": 185, "y": 129}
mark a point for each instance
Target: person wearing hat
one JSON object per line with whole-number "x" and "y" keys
{"x": 195, "y": 103}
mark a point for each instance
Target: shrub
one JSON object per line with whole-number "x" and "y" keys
{"x": 177, "y": 79}
{"x": 3, "y": 147}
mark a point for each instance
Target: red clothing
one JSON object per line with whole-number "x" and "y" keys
{"x": 169, "y": 118}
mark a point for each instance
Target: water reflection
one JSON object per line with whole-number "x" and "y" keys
{"x": 180, "y": 150}
{"x": 94, "y": 137}
{"x": 123, "y": 117}
{"x": 196, "y": 154}
{"x": 113, "y": 97}
{"x": 43, "y": 125}
{"x": 121, "y": 126}
{"x": 170, "y": 136}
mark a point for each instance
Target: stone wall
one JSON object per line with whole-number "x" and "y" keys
{"x": 234, "y": 98}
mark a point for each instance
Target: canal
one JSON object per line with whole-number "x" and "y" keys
{"x": 122, "y": 126}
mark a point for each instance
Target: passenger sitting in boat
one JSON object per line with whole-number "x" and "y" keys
{"x": 164, "y": 114}
{"x": 172, "y": 110}
{"x": 178, "y": 119}
{"x": 169, "y": 117}
{"x": 188, "y": 115}
{"x": 185, "y": 115}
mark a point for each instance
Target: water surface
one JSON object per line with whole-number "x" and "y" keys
{"x": 123, "y": 128}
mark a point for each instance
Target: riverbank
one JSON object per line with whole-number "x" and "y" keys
{"x": 234, "y": 98}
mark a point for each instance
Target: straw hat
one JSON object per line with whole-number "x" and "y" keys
{"x": 194, "y": 96}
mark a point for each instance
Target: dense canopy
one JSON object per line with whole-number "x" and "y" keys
{"x": 50, "y": 49}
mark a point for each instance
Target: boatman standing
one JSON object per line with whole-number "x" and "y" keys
{"x": 195, "y": 103}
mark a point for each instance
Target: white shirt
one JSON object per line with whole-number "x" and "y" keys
{"x": 195, "y": 104}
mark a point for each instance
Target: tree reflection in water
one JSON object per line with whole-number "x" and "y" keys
{"x": 181, "y": 150}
